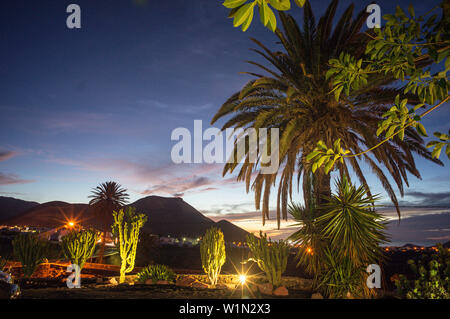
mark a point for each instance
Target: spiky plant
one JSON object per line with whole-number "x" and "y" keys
{"x": 212, "y": 251}
{"x": 126, "y": 228}
{"x": 270, "y": 256}
{"x": 308, "y": 238}
{"x": 30, "y": 250}
{"x": 351, "y": 225}
{"x": 106, "y": 198}
{"x": 156, "y": 273}
{"x": 341, "y": 278}
{"x": 292, "y": 93}
{"x": 78, "y": 246}
{"x": 340, "y": 239}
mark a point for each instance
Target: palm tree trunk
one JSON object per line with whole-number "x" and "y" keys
{"x": 322, "y": 188}
{"x": 316, "y": 186}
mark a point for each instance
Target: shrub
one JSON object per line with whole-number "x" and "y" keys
{"x": 126, "y": 228}
{"x": 271, "y": 257}
{"x": 339, "y": 238}
{"x": 3, "y": 262}
{"x": 432, "y": 278}
{"x": 212, "y": 251}
{"x": 30, "y": 250}
{"x": 341, "y": 278}
{"x": 156, "y": 273}
{"x": 78, "y": 246}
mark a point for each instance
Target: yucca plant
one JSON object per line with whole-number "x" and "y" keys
{"x": 212, "y": 251}
{"x": 340, "y": 238}
{"x": 30, "y": 250}
{"x": 308, "y": 238}
{"x": 351, "y": 224}
{"x": 270, "y": 256}
{"x": 156, "y": 273}
{"x": 341, "y": 278}
{"x": 79, "y": 246}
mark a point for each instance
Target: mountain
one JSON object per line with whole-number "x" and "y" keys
{"x": 53, "y": 214}
{"x": 166, "y": 216}
{"x": 172, "y": 216}
{"x": 10, "y": 207}
{"x": 231, "y": 231}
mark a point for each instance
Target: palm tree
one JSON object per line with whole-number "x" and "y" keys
{"x": 106, "y": 198}
{"x": 294, "y": 96}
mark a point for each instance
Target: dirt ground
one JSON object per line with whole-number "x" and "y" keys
{"x": 142, "y": 291}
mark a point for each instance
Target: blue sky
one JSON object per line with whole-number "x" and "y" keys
{"x": 80, "y": 107}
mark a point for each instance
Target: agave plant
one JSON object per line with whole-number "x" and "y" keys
{"x": 292, "y": 93}
{"x": 156, "y": 273}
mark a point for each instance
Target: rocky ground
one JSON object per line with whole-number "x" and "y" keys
{"x": 143, "y": 291}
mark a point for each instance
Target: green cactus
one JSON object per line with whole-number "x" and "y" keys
{"x": 78, "y": 246}
{"x": 212, "y": 251}
{"x": 271, "y": 257}
{"x": 156, "y": 273}
{"x": 126, "y": 227}
{"x": 30, "y": 250}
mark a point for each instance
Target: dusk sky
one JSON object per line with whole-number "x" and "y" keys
{"x": 84, "y": 106}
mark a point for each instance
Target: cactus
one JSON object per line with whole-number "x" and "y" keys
{"x": 30, "y": 250}
{"x": 156, "y": 273}
{"x": 78, "y": 246}
{"x": 271, "y": 257}
{"x": 126, "y": 227}
{"x": 212, "y": 251}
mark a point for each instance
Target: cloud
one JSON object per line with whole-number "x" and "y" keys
{"x": 174, "y": 108}
{"x": 9, "y": 179}
{"x": 424, "y": 229}
{"x": 6, "y": 155}
{"x": 178, "y": 186}
{"x": 430, "y": 199}
{"x": 167, "y": 179}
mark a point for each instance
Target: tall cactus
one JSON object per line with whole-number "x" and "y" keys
{"x": 30, "y": 250}
{"x": 212, "y": 251}
{"x": 126, "y": 227}
{"x": 271, "y": 257}
{"x": 78, "y": 246}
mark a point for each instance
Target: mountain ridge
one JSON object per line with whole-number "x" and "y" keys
{"x": 166, "y": 216}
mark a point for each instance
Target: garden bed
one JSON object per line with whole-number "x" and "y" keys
{"x": 143, "y": 291}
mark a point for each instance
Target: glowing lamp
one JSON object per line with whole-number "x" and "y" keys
{"x": 242, "y": 279}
